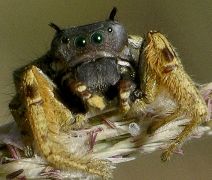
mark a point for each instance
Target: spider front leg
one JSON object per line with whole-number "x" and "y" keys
{"x": 49, "y": 119}
{"x": 171, "y": 76}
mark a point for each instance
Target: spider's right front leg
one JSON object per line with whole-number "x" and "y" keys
{"x": 49, "y": 119}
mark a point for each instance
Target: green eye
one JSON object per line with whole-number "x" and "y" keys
{"x": 80, "y": 42}
{"x": 97, "y": 38}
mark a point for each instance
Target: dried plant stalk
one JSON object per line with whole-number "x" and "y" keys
{"x": 107, "y": 136}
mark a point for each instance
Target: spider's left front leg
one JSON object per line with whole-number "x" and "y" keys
{"x": 163, "y": 59}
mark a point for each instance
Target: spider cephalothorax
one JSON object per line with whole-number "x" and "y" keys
{"x": 94, "y": 59}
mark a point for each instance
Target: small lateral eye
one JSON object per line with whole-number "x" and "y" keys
{"x": 110, "y": 30}
{"x": 97, "y": 37}
{"x": 65, "y": 40}
{"x": 80, "y": 42}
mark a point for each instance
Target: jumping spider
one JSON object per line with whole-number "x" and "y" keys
{"x": 91, "y": 65}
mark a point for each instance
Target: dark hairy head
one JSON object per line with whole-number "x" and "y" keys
{"x": 96, "y": 55}
{"x": 80, "y": 44}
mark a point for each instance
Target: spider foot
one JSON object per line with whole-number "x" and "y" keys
{"x": 165, "y": 156}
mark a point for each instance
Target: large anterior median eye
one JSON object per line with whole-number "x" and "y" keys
{"x": 80, "y": 42}
{"x": 97, "y": 37}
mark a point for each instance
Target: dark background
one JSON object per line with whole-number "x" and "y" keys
{"x": 25, "y": 35}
